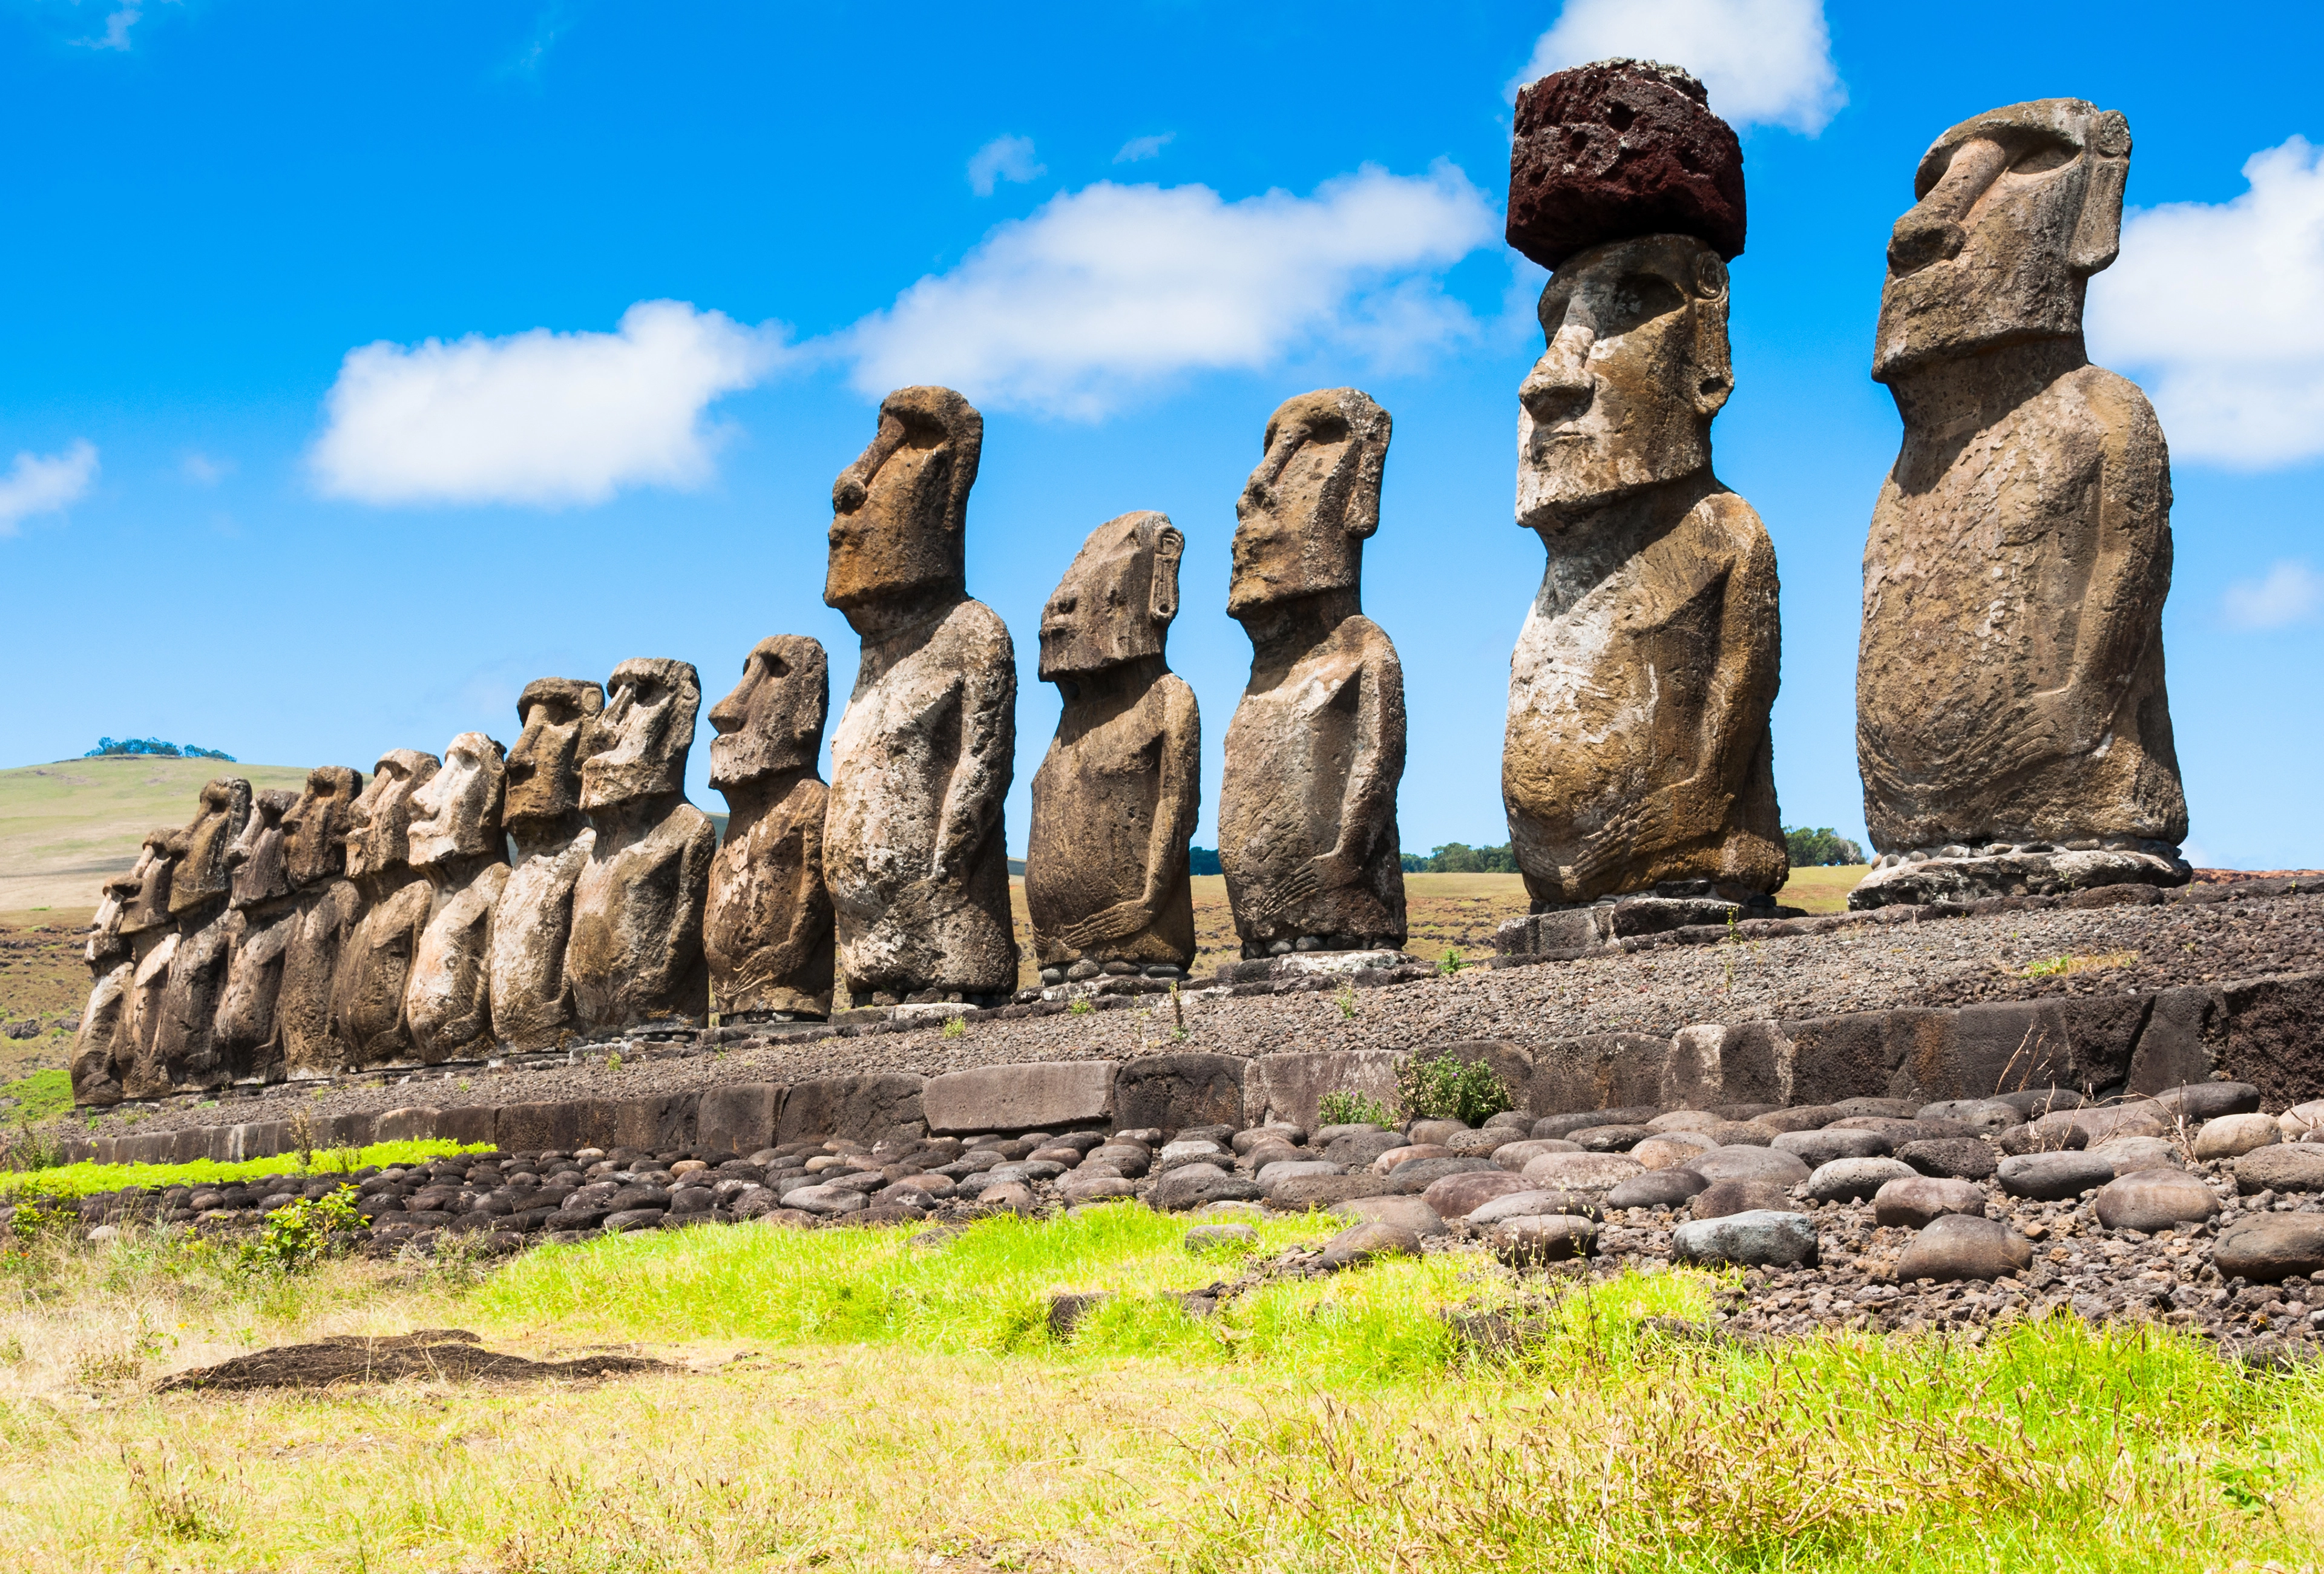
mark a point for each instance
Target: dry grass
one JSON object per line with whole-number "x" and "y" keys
{"x": 2058, "y": 966}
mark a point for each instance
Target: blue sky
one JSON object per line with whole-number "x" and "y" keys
{"x": 243, "y": 503}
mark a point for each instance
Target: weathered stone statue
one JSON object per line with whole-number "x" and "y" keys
{"x": 182, "y": 1054}
{"x": 1636, "y": 761}
{"x": 153, "y": 940}
{"x": 101, "y": 1049}
{"x": 1116, "y": 799}
{"x": 458, "y": 845}
{"x": 913, "y": 846}
{"x": 635, "y": 955}
{"x": 264, "y": 922}
{"x": 2012, "y": 725}
{"x": 367, "y": 1014}
{"x": 532, "y": 922}
{"x": 315, "y": 857}
{"x": 767, "y": 929}
{"x": 1307, "y": 809}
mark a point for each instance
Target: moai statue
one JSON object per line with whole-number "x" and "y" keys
{"x": 367, "y": 1015}
{"x": 100, "y": 1053}
{"x": 183, "y": 1055}
{"x": 458, "y": 845}
{"x": 531, "y": 999}
{"x": 913, "y": 846}
{"x": 1106, "y": 878}
{"x": 2012, "y": 725}
{"x": 153, "y": 940}
{"x": 315, "y": 859}
{"x": 265, "y": 920}
{"x": 1307, "y": 809}
{"x": 1637, "y": 763}
{"x": 767, "y": 931}
{"x": 635, "y": 955}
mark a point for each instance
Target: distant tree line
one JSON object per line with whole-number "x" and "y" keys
{"x": 1460, "y": 858}
{"x": 1814, "y": 849}
{"x": 167, "y": 751}
{"x": 1203, "y": 861}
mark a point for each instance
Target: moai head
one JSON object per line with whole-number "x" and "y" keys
{"x": 202, "y": 875}
{"x": 637, "y": 746}
{"x": 899, "y": 511}
{"x": 1116, "y": 601}
{"x": 2013, "y": 211}
{"x": 455, "y": 813}
{"x": 379, "y": 832}
{"x": 314, "y": 833}
{"x": 544, "y": 769}
{"x": 148, "y": 908}
{"x": 105, "y": 945}
{"x": 1304, "y": 514}
{"x": 774, "y": 720}
{"x": 1636, "y": 367}
{"x": 262, "y": 871}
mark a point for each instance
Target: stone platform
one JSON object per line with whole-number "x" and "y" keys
{"x": 1957, "y": 873}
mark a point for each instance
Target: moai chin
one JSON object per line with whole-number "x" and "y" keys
{"x": 367, "y": 1015}
{"x": 264, "y": 922}
{"x": 458, "y": 846}
{"x": 532, "y": 922}
{"x": 767, "y": 929}
{"x": 1115, "y": 800}
{"x": 634, "y": 958}
{"x": 914, "y": 851}
{"x": 181, "y": 1049}
{"x": 329, "y": 905}
{"x": 2013, "y": 726}
{"x": 1307, "y": 809}
{"x": 1636, "y": 762}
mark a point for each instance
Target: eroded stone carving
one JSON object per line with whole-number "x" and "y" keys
{"x": 265, "y": 922}
{"x": 315, "y": 858}
{"x": 181, "y": 1051}
{"x": 1637, "y": 760}
{"x": 1308, "y": 808}
{"x": 367, "y": 1015}
{"x": 1116, "y": 798}
{"x": 768, "y": 927}
{"x": 532, "y": 922}
{"x": 913, "y": 846}
{"x": 103, "y": 1047}
{"x": 458, "y": 845}
{"x": 2012, "y": 717}
{"x": 635, "y": 955}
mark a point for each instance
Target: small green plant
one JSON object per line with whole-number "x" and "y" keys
{"x": 1347, "y": 1108}
{"x": 955, "y": 1027}
{"x": 1178, "y": 1016}
{"x": 32, "y": 1221}
{"x": 613, "y": 1061}
{"x": 1346, "y": 1001}
{"x": 2250, "y": 1488}
{"x": 462, "y": 1084}
{"x": 297, "y": 1235}
{"x": 1452, "y": 964}
{"x": 303, "y": 1138}
{"x": 1448, "y": 1087}
{"x": 1080, "y": 1008}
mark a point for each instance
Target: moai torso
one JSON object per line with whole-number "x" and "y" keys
{"x": 182, "y": 1047}
{"x": 100, "y": 1048}
{"x": 264, "y": 919}
{"x": 458, "y": 845}
{"x": 367, "y": 1010}
{"x": 767, "y": 929}
{"x": 532, "y": 922}
{"x": 328, "y": 907}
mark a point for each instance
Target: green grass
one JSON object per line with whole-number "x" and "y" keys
{"x": 40, "y": 1095}
{"x": 82, "y": 1180}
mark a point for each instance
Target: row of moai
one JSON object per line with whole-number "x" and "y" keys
{"x": 2013, "y": 730}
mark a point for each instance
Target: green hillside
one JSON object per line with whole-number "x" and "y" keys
{"x": 64, "y": 828}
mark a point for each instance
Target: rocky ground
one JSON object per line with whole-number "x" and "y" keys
{"x": 1856, "y": 968}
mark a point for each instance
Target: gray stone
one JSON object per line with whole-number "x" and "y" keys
{"x": 1657, "y": 1189}
{"x": 1961, "y": 1246}
{"x": 1215, "y": 1237}
{"x": 1195, "y": 1184}
{"x": 1404, "y": 1212}
{"x": 1422, "y": 1173}
{"x": 1764, "y": 1238}
{"x": 1810, "y": 1118}
{"x": 1723, "y": 1198}
{"x": 1582, "y": 1172}
{"x": 2287, "y": 1167}
{"x": 1459, "y": 1196}
{"x": 2155, "y": 1199}
{"x": 1043, "y": 1095}
{"x": 2208, "y": 1100}
{"x": 1816, "y": 1149}
{"x": 1014, "y": 1196}
{"x": 1429, "y": 1131}
{"x": 1913, "y": 1201}
{"x": 2271, "y": 1247}
{"x": 2231, "y": 1136}
{"x": 1744, "y": 1164}
{"x": 1525, "y": 1204}
{"x": 1608, "y": 1139}
{"x": 2054, "y": 1176}
{"x": 1286, "y": 1169}
{"x": 1518, "y": 1155}
{"x": 1304, "y": 1191}
{"x": 2127, "y": 1154}
{"x": 1673, "y": 1150}
{"x": 1854, "y": 1179}
{"x": 1361, "y": 1243}
{"x": 1361, "y": 1146}
{"x": 1535, "y": 1240}
{"x": 1563, "y": 1125}
{"x": 1952, "y": 1158}
{"x": 1985, "y": 1114}
{"x": 1079, "y": 1189}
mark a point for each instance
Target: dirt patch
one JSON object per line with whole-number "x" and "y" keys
{"x": 426, "y": 1353}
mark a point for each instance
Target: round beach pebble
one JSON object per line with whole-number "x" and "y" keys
{"x": 2208, "y": 1100}
{"x": 2302, "y": 1122}
{"x": 1672, "y": 1149}
{"x": 1411, "y": 1154}
{"x": 1608, "y": 1139}
{"x": 1079, "y": 1189}
{"x": 1816, "y": 1149}
{"x": 1984, "y": 1114}
{"x": 1361, "y": 1243}
{"x": 1212, "y": 1237}
{"x": 2153, "y": 1200}
{"x": 2285, "y": 1167}
{"x": 1916, "y": 1201}
{"x": 1482, "y": 1143}
{"x": 2271, "y": 1247}
{"x": 1518, "y": 1155}
{"x": 1762, "y": 1239}
{"x": 1542, "y": 1237}
{"x": 1436, "y": 1131}
{"x": 1683, "y": 1120}
{"x": 1801, "y": 1118}
{"x": 1405, "y": 1212}
{"x": 1721, "y": 1199}
{"x": 1854, "y": 1179}
{"x": 1458, "y": 1196}
{"x": 1657, "y": 1188}
{"x": 1741, "y": 1163}
{"x": 1961, "y": 1246}
{"x": 2131, "y": 1154}
{"x": 1527, "y": 1204}
{"x": 2231, "y": 1136}
{"x": 1582, "y": 1172}
{"x": 2054, "y": 1176}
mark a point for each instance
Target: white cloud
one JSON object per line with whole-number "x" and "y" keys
{"x": 540, "y": 418}
{"x": 1004, "y": 158}
{"x": 37, "y": 483}
{"x": 205, "y": 471}
{"x": 2220, "y": 308}
{"x": 2291, "y": 593}
{"x": 1766, "y": 62}
{"x": 1144, "y": 147}
{"x": 1110, "y": 289}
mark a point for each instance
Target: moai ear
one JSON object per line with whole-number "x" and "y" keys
{"x": 1169, "y": 546}
{"x": 2097, "y": 237}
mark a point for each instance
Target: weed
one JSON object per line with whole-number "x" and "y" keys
{"x": 303, "y": 1138}
{"x": 955, "y": 1027}
{"x": 1452, "y": 963}
{"x": 1178, "y": 1016}
{"x": 1080, "y": 1008}
{"x": 613, "y": 1061}
{"x": 2058, "y": 966}
{"x": 1346, "y": 1000}
{"x": 1347, "y": 1108}
{"x": 1448, "y": 1087}
{"x": 83, "y": 1179}
{"x": 167, "y": 1499}
{"x": 297, "y": 1235}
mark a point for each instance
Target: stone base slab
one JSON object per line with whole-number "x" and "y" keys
{"x": 1913, "y": 880}
{"x": 1602, "y": 923}
{"x": 1313, "y": 965}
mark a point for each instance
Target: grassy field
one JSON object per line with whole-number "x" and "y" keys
{"x": 64, "y": 828}
{"x": 857, "y": 1399}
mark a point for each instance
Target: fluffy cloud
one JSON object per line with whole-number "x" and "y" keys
{"x": 1111, "y": 289}
{"x": 538, "y": 418}
{"x": 2219, "y": 309}
{"x": 38, "y": 484}
{"x": 1766, "y": 61}
{"x": 1004, "y": 158}
{"x": 1143, "y": 147}
{"x": 2291, "y": 593}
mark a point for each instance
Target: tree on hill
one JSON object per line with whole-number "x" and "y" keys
{"x": 1818, "y": 847}
{"x": 155, "y": 747}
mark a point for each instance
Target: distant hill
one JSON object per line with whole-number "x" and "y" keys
{"x": 65, "y": 828}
